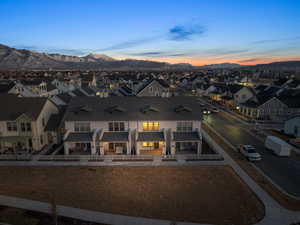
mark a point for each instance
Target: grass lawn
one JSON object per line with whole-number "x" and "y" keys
{"x": 204, "y": 194}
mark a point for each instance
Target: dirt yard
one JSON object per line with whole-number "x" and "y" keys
{"x": 203, "y": 194}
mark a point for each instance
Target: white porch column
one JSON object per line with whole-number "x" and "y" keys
{"x": 137, "y": 148}
{"x": 199, "y": 147}
{"x": 101, "y": 148}
{"x": 93, "y": 148}
{"x": 173, "y": 147}
{"x": 128, "y": 145}
{"x": 164, "y": 151}
{"x": 66, "y": 148}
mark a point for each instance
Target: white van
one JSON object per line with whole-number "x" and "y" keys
{"x": 278, "y": 146}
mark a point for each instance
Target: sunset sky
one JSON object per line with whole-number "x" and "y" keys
{"x": 182, "y": 31}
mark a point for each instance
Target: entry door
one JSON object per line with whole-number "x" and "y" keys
{"x": 156, "y": 145}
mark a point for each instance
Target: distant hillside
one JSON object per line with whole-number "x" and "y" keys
{"x": 11, "y": 58}
{"x": 221, "y": 66}
{"x": 286, "y": 65}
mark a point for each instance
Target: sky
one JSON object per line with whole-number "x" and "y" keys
{"x": 175, "y": 31}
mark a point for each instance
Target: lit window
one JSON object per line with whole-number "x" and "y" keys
{"x": 151, "y": 126}
{"x": 147, "y": 144}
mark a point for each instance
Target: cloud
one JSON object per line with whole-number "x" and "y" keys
{"x": 270, "y": 41}
{"x": 129, "y": 44}
{"x": 160, "y": 54}
{"x": 176, "y": 33}
{"x": 182, "y": 33}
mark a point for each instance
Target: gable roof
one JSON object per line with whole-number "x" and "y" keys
{"x": 133, "y": 108}
{"x": 161, "y": 82}
{"x": 15, "y": 107}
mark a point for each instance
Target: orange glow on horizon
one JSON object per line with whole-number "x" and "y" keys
{"x": 202, "y": 62}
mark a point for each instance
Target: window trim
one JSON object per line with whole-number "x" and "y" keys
{"x": 151, "y": 125}
{"x": 112, "y": 125}
{"x": 82, "y": 127}
{"x": 184, "y": 126}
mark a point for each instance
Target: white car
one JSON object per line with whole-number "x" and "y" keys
{"x": 249, "y": 152}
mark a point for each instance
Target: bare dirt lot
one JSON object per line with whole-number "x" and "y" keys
{"x": 204, "y": 194}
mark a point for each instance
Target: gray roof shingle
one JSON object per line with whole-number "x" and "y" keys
{"x": 12, "y": 107}
{"x": 132, "y": 109}
{"x": 151, "y": 136}
{"x": 186, "y": 136}
{"x": 115, "y": 136}
{"x": 80, "y": 137}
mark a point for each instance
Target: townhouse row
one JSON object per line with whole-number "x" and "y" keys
{"x": 133, "y": 125}
{"x": 93, "y": 125}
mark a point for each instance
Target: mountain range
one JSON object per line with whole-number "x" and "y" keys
{"x": 12, "y": 58}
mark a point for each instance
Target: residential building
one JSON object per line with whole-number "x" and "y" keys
{"x": 23, "y": 122}
{"x": 133, "y": 125}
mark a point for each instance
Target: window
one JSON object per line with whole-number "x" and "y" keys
{"x": 43, "y": 122}
{"x": 184, "y": 126}
{"x": 151, "y": 126}
{"x": 116, "y": 126}
{"x": 147, "y": 144}
{"x": 25, "y": 127}
{"x": 11, "y": 126}
{"x": 82, "y": 127}
{"x": 42, "y": 139}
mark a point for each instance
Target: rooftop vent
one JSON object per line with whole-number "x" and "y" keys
{"x": 115, "y": 109}
{"x": 83, "y": 108}
{"x": 182, "y": 108}
{"x": 149, "y": 108}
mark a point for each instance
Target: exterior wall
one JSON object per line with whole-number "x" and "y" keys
{"x": 37, "y": 128}
{"x": 273, "y": 108}
{"x": 292, "y": 127}
{"x": 153, "y": 89}
{"x": 243, "y": 95}
{"x": 133, "y": 127}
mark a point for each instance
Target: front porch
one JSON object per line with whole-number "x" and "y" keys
{"x": 115, "y": 143}
{"x": 186, "y": 143}
{"x": 16, "y": 144}
{"x": 151, "y": 143}
{"x": 79, "y": 143}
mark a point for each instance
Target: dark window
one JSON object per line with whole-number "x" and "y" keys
{"x": 23, "y": 128}
{"x": 11, "y": 126}
{"x": 28, "y": 126}
{"x": 116, "y": 126}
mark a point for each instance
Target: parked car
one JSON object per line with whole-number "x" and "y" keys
{"x": 278, "y": 146}
{"x": 215, "y": 110}
{"x": 249, "y": 152}
{"x": 202, "y": 104}
{"x": 206, "y": 111}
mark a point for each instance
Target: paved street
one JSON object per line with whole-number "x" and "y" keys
{"x": 283, "y": 171}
